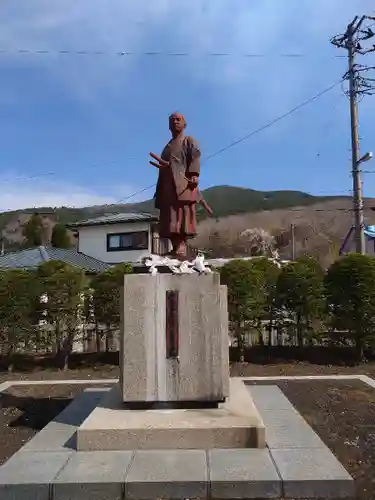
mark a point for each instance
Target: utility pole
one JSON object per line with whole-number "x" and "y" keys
{"x": 358, "y": 85}
{"x": 356, "y": 170}
{"x": 292, "y": 228}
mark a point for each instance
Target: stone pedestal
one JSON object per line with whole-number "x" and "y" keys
{"x": 174, "y": 390}
{"x": 174, "y": 339}
{"x": 233, "y": 424}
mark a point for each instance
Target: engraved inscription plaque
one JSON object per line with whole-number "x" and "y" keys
{"x": 172, "y": 339}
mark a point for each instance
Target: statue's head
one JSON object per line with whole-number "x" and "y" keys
{"x": 177, "y": 123}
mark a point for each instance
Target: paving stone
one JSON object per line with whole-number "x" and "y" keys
{"x": 287, "y": 429}
{"x": 300, "y": 377}
{"x": 367, "y": 380}
{"x": 100, "y": 391}
{"x": 80, "y": 408}
{"x": 60, "y": 433}
{"x": 4, "y": 386}
{"x": 73, "y": 381}
{"x": 167, "y": 474}
{"x": 54, "y": 437}
{"x": 238, "y": 474}
{"x": 93, "y": 475}
{"x": 28, "y": 475}
{"x": 269, "y": 397}
{"x": 312, "y": 473}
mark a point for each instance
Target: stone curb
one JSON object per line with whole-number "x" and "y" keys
{"x": 364, "y": 378}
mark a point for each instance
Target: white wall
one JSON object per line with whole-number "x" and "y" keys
{"x": 93, "y": 241}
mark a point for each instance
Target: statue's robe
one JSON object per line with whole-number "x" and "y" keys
{"x": 175, "y": 199}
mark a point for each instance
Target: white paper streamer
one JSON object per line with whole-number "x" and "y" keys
{"x": 198, "y": 265}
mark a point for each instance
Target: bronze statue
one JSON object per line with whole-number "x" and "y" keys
{"x": 177, "y": 192}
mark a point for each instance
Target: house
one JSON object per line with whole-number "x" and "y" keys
{"x": 117, "y": 238}
{"x": 349, "y": 244}
{"x": 31, "y": 258}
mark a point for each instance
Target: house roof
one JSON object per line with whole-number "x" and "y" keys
{"x": 115, "y": 219}
{"x": 31, "y": 258}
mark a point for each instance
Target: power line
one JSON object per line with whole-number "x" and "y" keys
{"x": 122, "y": 200}
{"x": 247, "y": 136}
{"x": 273, "y": 122}
{"x": 27, "y": 177}
{"x": 21, "y": 51}
{"x": 47, "y": 174}
{"x": 232, "y": 144}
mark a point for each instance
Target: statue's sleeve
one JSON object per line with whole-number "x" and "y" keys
{"x": 194, "y": 161}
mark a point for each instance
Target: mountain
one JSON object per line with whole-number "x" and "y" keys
{"x": 224, "y": 200}
{"x": 229, "y": 200}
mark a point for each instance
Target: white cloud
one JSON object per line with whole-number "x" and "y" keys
{"x": 21, "y": 192}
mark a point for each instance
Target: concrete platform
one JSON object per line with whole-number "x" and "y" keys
{"x": 234, "y": 424}
{"x": 62, "y": 473}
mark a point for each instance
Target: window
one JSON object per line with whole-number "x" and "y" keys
{"x": 118, "y": 242}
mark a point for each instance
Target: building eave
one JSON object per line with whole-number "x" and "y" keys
{"x": 79, "y": 225}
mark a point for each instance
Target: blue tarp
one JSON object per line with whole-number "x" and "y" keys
{"x": 370, "y": 231}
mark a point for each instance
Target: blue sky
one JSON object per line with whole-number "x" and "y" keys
{"x": 77, "y": 129}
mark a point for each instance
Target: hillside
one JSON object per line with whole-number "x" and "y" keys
{"x": 319, "y": 229}
{"x": 237, "y": 208}
{"x": 225, "y": 200}
{"x": 228, "y": 200}
{"x": 231, "y": 200}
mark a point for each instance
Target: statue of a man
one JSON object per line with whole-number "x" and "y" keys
{"x": 177, "y": 192}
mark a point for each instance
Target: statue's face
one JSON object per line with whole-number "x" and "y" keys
{"x": 176, "y": 123}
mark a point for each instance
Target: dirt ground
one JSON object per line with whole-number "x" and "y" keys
{"x": 299, "y": 369}
{"x": 103, "y": 371}
{"x": 341, "y": 412}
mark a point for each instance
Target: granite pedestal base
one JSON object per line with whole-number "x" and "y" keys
{"x": 235, "y": 423}
{"x": 174, "y": 338}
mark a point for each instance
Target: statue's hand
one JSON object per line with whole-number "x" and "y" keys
{"x": 193, "y": 181}
{"x": 161, "y": 163}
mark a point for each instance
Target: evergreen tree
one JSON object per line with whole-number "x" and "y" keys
{"x": 33, "y": 231}
{"x": 350, "y": 289}
{"x": 247, "y": 300}
{"x": 60, "y": 237}
{"x": 300, "y": 293}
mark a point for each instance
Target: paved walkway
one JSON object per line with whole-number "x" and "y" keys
{"x": 295, "y": 463}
